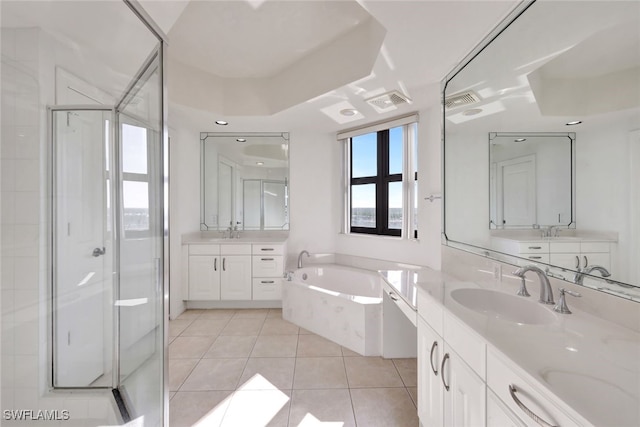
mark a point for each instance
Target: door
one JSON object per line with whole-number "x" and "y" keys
{"x": 517, "y": 191}
{"x": 236, "y": 278}
{"x": 465, "y": 400}
{"x": 82, "y": 248}
{"x": 430, "y": 387}
{"x": 204, "y": 277}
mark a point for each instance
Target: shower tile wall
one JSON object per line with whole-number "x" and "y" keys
{"x": 27, "y": 87}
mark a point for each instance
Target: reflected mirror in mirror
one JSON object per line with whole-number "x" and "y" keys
{"x": 244, "y": 181}
{"x": 530, "y": 180}
{"x": 550, "y": 67}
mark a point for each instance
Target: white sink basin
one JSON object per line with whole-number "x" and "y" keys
{"x": 510, "y": 308}
{"x": 592, "y": 393}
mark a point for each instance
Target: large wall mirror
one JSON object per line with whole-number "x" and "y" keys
{"x": 244, "y": 181}
{"x": 542, "y": 144}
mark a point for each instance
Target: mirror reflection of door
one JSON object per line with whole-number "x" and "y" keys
{"x": 517, "y": 191}
{"x": 225, "y": 194}
{"x": 83, "y": 252}
{"x": 275, "y": 205}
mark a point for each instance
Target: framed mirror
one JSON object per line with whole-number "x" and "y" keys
{"x": 531, "y": 180}
{"x": 561, "y": 75}
{"x": 244, "y": 181}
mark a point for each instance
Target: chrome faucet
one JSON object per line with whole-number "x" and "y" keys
{"x": 579, "y": 277}
{"x": 546, "y": 294}
{"x": 300, "y": 258}
{"x": 551, "y": 231}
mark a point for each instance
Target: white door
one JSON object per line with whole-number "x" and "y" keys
{"x": 236, "y": 278}
{"x": 81, "y": 288}
{"x": 517, "y": 191}
{"x": 430, "y": 387}
{"x": 204, "y": 277}
{"x": 465, "y": 400}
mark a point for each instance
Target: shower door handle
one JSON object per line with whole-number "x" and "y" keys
{"x": 98, "y": 251}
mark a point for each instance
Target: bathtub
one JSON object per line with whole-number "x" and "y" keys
{"x": 342, "y": 304}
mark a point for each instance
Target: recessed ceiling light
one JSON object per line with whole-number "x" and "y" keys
{"x": 520, "y": 140}
{"x": 575, "y": 122}
{"x": 472, "y": 112}
{"x": 241, "y": 139}
{"x": 349, "y": 112}
{"x": 221, "y": 123}
{"x": 259, "y": 163}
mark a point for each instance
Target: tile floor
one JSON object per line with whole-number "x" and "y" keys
{"x": 251, "y": 368}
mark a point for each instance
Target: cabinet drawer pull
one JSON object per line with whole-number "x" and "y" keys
{"x": 444, "y": 360}
{"x": 535, "y": 257}
{"x": 215, "y": 264}
{"x": 433, "y": 347}
{"x": 586, "y": 260}
{"x": 577, "y": 262}
{"x": 535, "y": 247}
{"x": 392, "y": 296}
{"x": 267, "y": 282}
{"x": 266, "y": 259}
{"x": 529, "y": 412}
{"x": 267, "y": 249}
{"x": 224, "y": 264}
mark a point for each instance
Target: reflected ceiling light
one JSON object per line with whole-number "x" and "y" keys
{"x": 259, "y": 163}
{"x": 349, "y": 112}
{"x": 573, "y": 123}
{"x": 221, "y": 123}
{"x": 520, "y": 140}
{"x": 472, "y": 112}
{"x": 241, "y": 139}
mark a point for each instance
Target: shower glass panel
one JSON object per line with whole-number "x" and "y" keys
{"x": 275, "y": 206}
{"x": 140, "y": 294}
{"x": 83, "y": 246}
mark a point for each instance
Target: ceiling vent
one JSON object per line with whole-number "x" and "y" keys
{"x": 460, "y": 100}
{"x": 388, "y": 100}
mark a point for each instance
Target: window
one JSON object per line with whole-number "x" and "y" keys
{"x": 381, "y": 184}
{"x": 135, "y": 185}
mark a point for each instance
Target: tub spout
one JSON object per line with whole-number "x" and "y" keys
{"x": 300, "y": 258}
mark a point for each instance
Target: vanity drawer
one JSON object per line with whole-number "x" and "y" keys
{"x": 268, "y": 265}
{"x": 501, "y": 374}
{"x": 268, "y": 249}
{"x": 431, "y": 311}
{"x": 267, "y": 289}
{"x": 536, "y": 257}
{"x": 204, "y": 249}
{"x": 469, "y": 346}
{"x": 590, "y": 247}
{"x": 234, "y": 249}
{"x": 533, "y": 247}
{"x": 564, "y": 247}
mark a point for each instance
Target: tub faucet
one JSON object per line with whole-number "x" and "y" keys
{"x": 579, "y": 277}
{"x": 300, "y": 258}
{"x": 546, "y": 294}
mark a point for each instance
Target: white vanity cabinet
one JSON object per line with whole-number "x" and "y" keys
{"x": 268, "y": 269}
{"x": 235, "y": 275}
{"x": 581, "y": 254}
{"x": 450, "y": 391}
{"x": 219, "y": 272}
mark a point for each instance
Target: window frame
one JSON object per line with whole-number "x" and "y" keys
{"x": 409, "y": 179}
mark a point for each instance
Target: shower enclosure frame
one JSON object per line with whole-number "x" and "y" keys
{"x": 158, "y": 54}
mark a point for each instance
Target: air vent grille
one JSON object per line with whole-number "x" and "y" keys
{"x": 461, "y": 99}
{"x": 388, "y": 100}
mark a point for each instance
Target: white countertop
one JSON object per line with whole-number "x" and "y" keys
{"x": 217, "y": 239}
{"x": 596, "y": 362}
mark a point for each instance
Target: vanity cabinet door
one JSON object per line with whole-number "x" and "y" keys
{"x": 465, "y": 399}
{"x": 430, "y": 389}
{"x": 204, "y": 277}
{"x": 236, "y": 277}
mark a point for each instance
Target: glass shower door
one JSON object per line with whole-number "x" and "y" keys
{"x": 140, "y": 293}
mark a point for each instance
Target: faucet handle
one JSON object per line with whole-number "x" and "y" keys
{"x": 523, "y": 289}
{"x": 562, "y": 307}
